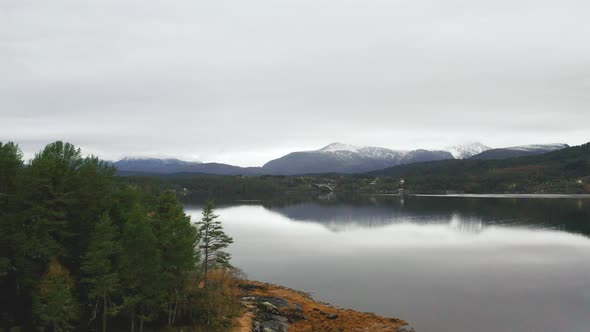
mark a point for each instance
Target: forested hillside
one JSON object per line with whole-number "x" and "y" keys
{"x": 80, "y": 250}
{"x": 227, "y": 188}
{"x": 563, "y": 171}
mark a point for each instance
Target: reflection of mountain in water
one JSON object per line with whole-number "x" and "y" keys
{"x": 341, "y": 217}
{"x": 463, "y": 214}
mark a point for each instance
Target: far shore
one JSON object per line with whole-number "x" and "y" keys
{"x": 490, "y": 195}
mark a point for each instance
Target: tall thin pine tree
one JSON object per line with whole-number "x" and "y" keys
{"x": 213, "y": 240}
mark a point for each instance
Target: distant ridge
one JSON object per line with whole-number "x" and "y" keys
{"x": 519, "y": 151}
{"x": 564, "y": 170}
{"x": 345, "y": 158}
{"x": 137, "y": 166}
{"x": 153, "y": 165}
{"x": 332, "y": 158}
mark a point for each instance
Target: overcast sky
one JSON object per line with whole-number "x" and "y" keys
{"x": 243, "y": 82}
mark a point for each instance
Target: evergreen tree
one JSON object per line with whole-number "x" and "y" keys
{"x": 213, "y": 240}
{"x": 140, "y": 267}
{"x": 54, "y": 303}
{"x": 140, "y": 260}
{"x": 177, "y": 240}
{"x": 10, "y": 165}
{"x": 64, "y": 194}
{"x": 98, "y": 267}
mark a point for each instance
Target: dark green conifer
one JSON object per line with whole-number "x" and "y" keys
{"x": 54, "y": 302}
{"x": 213, "y": 240}
{"x": 98, "y": 268}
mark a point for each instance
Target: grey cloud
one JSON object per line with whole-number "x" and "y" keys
{"x": 243, "y": 82}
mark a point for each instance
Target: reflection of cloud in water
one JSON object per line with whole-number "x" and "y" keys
{"x": 508, "y": 275}
{"x": 466, "y": 224}
{"x": 332, "y": 235}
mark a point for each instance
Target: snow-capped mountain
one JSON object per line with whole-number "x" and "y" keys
{"x": 344, "y": 158}
{"x": 333, "y": 158}
{"x": 536, "y": 147}
{"x": 339, "y": 147}
{"x": 351, "y": 151}
{"x": 467, "y": 150}
{"x": 520, "y": 151}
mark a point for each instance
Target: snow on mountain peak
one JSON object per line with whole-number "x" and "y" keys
{"x": 467, "y": 150}
{"x": 533, "y": 147}
{"x": 334, "y": 147}
{"x": 347, "y": 151}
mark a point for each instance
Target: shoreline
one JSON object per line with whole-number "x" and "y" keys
{"x": 552, "y": 196}
{"x": 274, "y": 308}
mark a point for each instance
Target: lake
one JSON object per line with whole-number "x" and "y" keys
{"x": 494, "y": 264}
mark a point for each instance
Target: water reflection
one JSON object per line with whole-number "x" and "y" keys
{"x": 331, "y": 196}
{"x": 466, "y": 225}
{"x": 444, "y": 264}
{"x": 568, "y": 214}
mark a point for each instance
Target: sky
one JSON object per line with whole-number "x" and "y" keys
{"x": 243, "y": 82}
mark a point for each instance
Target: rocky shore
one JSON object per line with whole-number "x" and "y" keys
{"x": 272, "y": 308}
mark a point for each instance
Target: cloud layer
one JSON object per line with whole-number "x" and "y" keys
{"x": 246, "y": 81}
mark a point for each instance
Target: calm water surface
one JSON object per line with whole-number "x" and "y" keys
{"x": 443, "y": 264}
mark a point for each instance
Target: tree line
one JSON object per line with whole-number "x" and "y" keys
{"x": 564, "y": 171}
{"x": 80, "y": 250}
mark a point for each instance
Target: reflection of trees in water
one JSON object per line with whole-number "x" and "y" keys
{"x": 344, "y": 211}
{"x": 466, "y": 214}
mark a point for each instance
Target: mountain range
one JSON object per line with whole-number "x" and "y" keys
{"x": 139, "y": 166}
{"x": 518, "y": 151}
{"x": 333, "y": 158}
{"x": 564, "y": 171}
{"x": 343, "y": 158}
